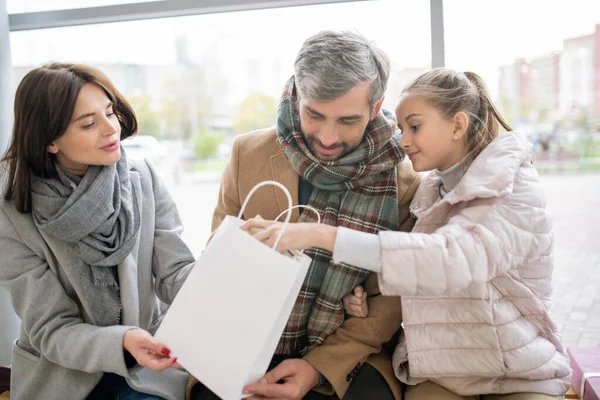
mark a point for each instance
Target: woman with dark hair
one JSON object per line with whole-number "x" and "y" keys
{"x": 90, "y": 243}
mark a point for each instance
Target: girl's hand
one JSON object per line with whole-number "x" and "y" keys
{"x": 355, "y": 304}
{"x": 296, "y": 236}
{"x": 147, "y": 351}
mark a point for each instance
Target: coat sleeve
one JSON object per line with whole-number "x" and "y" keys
{"x": 49, "y": 316}
{"x": 353, "y": 342}
{"x": 172, "y": 260}
{"x": 476, "y": 245}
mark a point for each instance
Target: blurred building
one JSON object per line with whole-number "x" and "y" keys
{"x": 544, "y": 81}
{"x": 130, "y": 79}
{"x": 580, "y": 73}
{"x": 557, "y": 83}
{"x": 515, "y": 86}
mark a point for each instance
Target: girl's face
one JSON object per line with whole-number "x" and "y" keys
{"x": 93, "y": 136}
{"x": 429, "y": 139}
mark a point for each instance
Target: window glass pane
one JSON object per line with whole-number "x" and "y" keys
{"x": 29, "y": 6}
{"x": 198, "y": 81}
{"x": 540, "y": 61}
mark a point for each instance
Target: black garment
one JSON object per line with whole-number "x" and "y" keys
{"x": 104, "y": 388}
{"x": 368, "y": 384}
{"x": 304, "y": 191}
{"x": 4, "y": 379}
{"x": 115, "y": 387}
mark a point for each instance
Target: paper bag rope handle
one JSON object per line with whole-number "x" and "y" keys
{"x": 302, "y": 206}
{"x": 289, "y": 210}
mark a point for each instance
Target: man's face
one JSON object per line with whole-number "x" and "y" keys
{"x": 333, "y": 129}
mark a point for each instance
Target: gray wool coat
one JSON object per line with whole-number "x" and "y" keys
{"x": 60, "y": 352}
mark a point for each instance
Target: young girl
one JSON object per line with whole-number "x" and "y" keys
{"x": 475, "y": 272}
{"x": 90, "y": 243}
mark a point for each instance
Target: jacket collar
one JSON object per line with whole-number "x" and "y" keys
{"x": 283, "y": 172}
{"x": 492, "y": 174}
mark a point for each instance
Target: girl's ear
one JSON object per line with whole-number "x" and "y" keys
{"x": 461, "y": 125}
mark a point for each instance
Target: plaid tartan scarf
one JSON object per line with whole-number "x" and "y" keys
{"x": 359, "y": 191}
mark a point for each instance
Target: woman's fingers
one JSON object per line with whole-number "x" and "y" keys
{"x": 159, "y": 363}
{"x": 177, "y": 365}
{"x": 147, "y": 351}
{"x": 155, "y": 346}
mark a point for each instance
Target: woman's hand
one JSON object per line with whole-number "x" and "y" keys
{"x": 147, "y": 351}
{"x": 296, "y": 236}
{"x": 355, "y": 303}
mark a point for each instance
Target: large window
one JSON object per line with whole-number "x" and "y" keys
{"x": 196, "y": 82}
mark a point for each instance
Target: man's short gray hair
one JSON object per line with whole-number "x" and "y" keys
{"x": 330, "y": 64}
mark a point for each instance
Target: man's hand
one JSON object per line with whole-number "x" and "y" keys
{"x": 298, "y": 377}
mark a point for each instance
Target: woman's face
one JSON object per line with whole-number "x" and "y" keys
{"x": 429, "y": 139}
{"x": 93, "y": 136}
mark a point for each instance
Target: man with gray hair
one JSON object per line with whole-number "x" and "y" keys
{"x": 338, "y": 152}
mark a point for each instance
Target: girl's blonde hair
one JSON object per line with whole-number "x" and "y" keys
{"x": 451, "y": 92}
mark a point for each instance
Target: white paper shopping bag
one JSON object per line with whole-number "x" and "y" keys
{"x": 226, "y": 320}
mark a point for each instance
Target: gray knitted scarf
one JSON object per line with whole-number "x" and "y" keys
{"x": 98, "y": 217}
